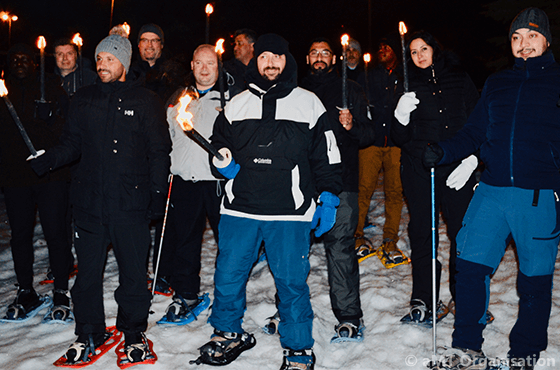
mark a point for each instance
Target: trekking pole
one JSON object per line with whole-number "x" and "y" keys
{"x": 162, "y": 233}
{"x": 434, "y": 303}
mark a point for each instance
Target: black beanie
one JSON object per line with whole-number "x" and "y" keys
{"x": 151, "y": 27}
{"x": 271, "y": 42}
{"x": 394, "y": 41}
{"x": 534, "y": 19}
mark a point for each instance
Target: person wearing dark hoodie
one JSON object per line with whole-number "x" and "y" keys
{"x": 279, "y": 152}
{"x": 442, "y": 97}
{"x": 24, "y": 191}
{"x": 73, "y": 74}
{"x": 118, "y": 130}
{"x": 353, "y": 129}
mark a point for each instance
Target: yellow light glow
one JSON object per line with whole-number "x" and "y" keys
{"x": 402, "y": 28}
{"x": 77, "y": 40}
{"x": 3, "y": 89}
{"x": 41, "y": 42}
{"x": 220, "y": 46}
{"x": 367, "y": 57}
{"x": 209, "y": 9}
{"x": 344, "y": 39}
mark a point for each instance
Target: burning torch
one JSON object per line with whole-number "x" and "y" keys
{"x": 402, "y": 31}
{"x": 220, "y": 50}
{"x": 209, "y": 10}
{"x": 41, "y": 44}
{"x": 185, "y": 120}
{"x": 367, "y": 59}
{"x": 344, "y": 71}
{"x": 77, "y": 40}
{"x": 26, "y": 139}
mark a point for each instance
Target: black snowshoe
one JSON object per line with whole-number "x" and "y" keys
{"x": 224, "y": 348}
{"x": 421, "y": 315}
{"x": 26, "y": 305}
{"x": 60, "y": 311}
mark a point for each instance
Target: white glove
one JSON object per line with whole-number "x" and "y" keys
{"x": 407, "y": 103}
{"x": 459, "y": 177}
{"x": 226, "y": 153}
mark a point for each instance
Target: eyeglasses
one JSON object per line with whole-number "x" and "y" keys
{"x": 150, "y": 41}
{"x": 325, "y": 52}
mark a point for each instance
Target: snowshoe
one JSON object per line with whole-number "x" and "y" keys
{"x": 49, "y": 279}
{"x": 89, "y": 348}
{"x": 182, "y": 312}
{"x": 26, "y": 306}
{"x": 162, "y": 287}
{"x": 348, "y": 332}
{"x": 390, "y": 255}
{"x": 420, "y": 315}
{"x": 137, "y": 351}
{"x": 364, "y": 249}
{"x": 466, "y": 359}
{"x": 368, "y": 225}
{"x": 224, "y": 348}
{"x": 526, "y": 363}
{"x": 271, "y": 327}
{"x": 298, "y": 360}
{"x": 489, "y": 317}
{"x": 60, "y": 311}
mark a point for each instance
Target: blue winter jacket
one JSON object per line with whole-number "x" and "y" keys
{"x": 516, "y": 125}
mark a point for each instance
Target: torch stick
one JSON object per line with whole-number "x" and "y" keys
{"x": 184, "y": 118}
{"x": 220, "y": 50}
{"x": 77, "y": 40}
{"x": 24, "y": 135}
{"x": 344, "y": 72}
{"x": 41, "y": 44}
{"x": 402, "y": 31}
{"x": 367, "y": 59}
{"x": 209, "y": 9}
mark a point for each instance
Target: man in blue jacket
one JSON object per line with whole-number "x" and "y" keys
{"x": 516, "y": 126}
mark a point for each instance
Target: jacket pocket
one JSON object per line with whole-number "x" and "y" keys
{"x": 135, "y": 192}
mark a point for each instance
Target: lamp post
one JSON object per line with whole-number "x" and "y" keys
{"x": 111, "y": 20}
{"x": 7, "y": 17}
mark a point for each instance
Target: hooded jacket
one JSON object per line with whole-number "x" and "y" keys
{"x": 328, "y": 87}
{"x": 280, "y": 136}
{"x": 516, "y": 125}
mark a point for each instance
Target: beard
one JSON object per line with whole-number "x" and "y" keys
{"x": 316, "y": 70}
{"x": 271, "y": 78}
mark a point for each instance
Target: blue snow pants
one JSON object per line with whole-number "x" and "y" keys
{"x": 287, "y": 248}
{"x": 494, "y": 216}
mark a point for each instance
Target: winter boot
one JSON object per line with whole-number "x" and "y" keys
{"x": 26, "y": 301}
{"x": 184, "y": 311}
{"x": 271, "y": 327}
{"x": 420, "y": 314}
{"x": 136, "y": 347}
{"x": 522, "y": 363}
{"x": 84, "y": 347}
{"x": 224, "y": 348}
{"x": 60, "y": 311}
{"x": 348, "y": 331}
{"x": 298, "y": 360}
{"x": 163, "y": 287}
{"x": 462, "y": 359}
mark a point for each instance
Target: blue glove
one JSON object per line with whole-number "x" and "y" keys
{"x": 325, "y": 214}
{"x": 227, "y": 167}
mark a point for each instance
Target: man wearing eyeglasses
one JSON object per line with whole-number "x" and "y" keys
{"x": 352, "y": 129}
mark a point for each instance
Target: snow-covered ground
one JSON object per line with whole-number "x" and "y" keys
{"x": 387, "y": 345}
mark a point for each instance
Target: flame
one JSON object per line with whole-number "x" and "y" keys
{"x": 77, "y": 40}
{"x": 220, "y": 46}
{"x": 41, "y": 43}
{"x": 367, "y": 57}
{"x": 5, "y": 16}
{"x": 3, "y": 89}
{"x": 14, "y": 18}
{"x": 209, "y": 9}
{"x": 185, "y": 117}
{"x": 345, "y": 39}
{"x": 126, "y": 28}
{"x": 402, "y": 28}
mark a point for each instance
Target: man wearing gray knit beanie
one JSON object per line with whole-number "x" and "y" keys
{"x": 117, "y": 130}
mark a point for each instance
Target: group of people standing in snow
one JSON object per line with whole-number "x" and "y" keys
{"x": 292, "y": 163}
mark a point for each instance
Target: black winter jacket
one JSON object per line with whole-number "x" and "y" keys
{"x": 447, "y": 96}
{"x": 328, "y": 87}
{"x": 120, "y": 132}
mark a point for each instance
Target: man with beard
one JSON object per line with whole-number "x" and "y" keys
{"x": 380, "y": 88}
{"x": 117, "y": 128}
{"x": 352, "y": 129}
{"x": 243, "y": 50}
{"x": 516, "y": 127}
{"x": 25, "y": 192}
{"x": 279, "y": 152}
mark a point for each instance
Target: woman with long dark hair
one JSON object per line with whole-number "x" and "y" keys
{"x": 441, "y": 97}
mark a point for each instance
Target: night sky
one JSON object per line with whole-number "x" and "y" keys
{"x": 475, "y": 30}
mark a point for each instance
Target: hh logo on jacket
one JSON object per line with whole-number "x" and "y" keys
{"x": 129, "y": 112}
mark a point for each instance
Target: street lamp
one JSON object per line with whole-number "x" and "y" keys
{"x": 7, "y": 17}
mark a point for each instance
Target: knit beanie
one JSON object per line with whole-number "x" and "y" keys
{"x": 271, "y": 42}
{"x": 117, "y": 45}
{"x": 534, "y": 19}
{"x": 20, "y": 49}
{"x": 151, "y": 27}
{"x": 394, "y": 41}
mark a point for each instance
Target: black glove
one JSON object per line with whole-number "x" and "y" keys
{"x": 42, "y": 164}
{"x": 433, "y": 154}
{"x": 156, "y": 209}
